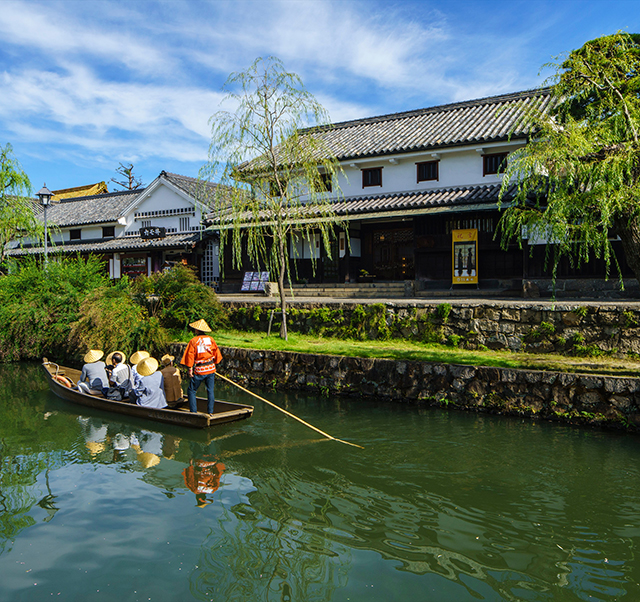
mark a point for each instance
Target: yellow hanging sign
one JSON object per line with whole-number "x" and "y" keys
{"x": 465, "y": 256}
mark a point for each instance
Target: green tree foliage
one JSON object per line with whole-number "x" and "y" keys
{"x": 277, "y": 175}
{"x": 16, "y": 207}
{"x": 37, "y": 308}
{"x": 578, "y": 179}
{"x": 176, "y": 297}
{"x": 74, "y": 307}
{"x": 109, "y": 319}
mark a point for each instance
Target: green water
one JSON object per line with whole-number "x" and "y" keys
{"x": 439, "y": 506}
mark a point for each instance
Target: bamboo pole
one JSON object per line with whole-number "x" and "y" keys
{"x": 287, "y": 413}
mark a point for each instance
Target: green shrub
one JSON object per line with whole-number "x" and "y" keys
{"x": 442, "y": 311}
{"x": 109, "y": 319}
{"x": 38, "y": 305}
{"x": 176, "y": 297}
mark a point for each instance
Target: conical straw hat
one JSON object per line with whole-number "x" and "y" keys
{"x": 201, "y": 325}
{"x": 93, "y": 355}
{"x": 167, "y": 359}
{"x": 110, "y": 357}
{"x": 138, "y": 356}
{"x": 95, "y": 447}
{"x": 148, "y": 460}
{"x": 147, "y": 366}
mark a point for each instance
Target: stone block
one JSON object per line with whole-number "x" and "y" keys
{"x": 591, "y": 382}
{"x": 621, "y": 402}
{"x": 488, "y": 374}
{"x": 570, "y": 318}
{"x": 607, "y": 317}
{"x": 531, "y": 316}
{"x": 510, "y": 314}
{"x": 486, "y": 326}
{"x": 509, "y": 376}
{"x": 477, "y": 388}
{"x": 458, "y": 384}
{"x": 514, "y": 343}
{"x": 588, "y": 398}
{"x": 464, "y": 372}
{"x": 506, "y": 328}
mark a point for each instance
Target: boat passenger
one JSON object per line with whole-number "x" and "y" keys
{"x": 120, "y": 376}
{"x": 135, "y": 359}
{"x": 201, "y": 356}
{"x": 93, "y": 378}
{"x": 172, "y": 380}
{"x": 149, "y": 391}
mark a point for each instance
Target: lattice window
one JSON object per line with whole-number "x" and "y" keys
{"x": 210, "y": 268}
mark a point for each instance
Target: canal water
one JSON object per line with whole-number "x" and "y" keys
{"x": 440, "y": 505}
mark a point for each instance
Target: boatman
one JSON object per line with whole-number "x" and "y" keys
{"x": 201, "y": 356}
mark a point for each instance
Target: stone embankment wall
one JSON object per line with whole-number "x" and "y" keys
{"x": 575, "y": 398}
{"x": 584, "y": 328}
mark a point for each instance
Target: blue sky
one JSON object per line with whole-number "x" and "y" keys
{"x": 88, "y": 84}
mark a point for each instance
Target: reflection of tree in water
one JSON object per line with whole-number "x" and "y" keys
{"x": 33, "y": 443}
{"x": 20, "y": 490}
{"x": 249, "y": 556}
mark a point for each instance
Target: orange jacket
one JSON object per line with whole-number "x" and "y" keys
{"x": 204, "y": 477}
{"x": 202, "y": 354}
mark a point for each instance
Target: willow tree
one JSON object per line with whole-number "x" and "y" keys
{"x": 17, "y": 217}
{"x": 280, "y": 177}
{"x": 578, "y": 179}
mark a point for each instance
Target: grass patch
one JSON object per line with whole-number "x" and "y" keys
{"x": 429, "y": 352}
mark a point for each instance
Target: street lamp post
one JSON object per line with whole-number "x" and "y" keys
{"x": 45, "y": 200}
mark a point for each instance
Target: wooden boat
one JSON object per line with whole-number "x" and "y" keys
{"x": 60, "y": 377}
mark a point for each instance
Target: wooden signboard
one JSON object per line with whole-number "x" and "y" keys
{"x": 465, "y": 256}
{"x": 152, "y": 232}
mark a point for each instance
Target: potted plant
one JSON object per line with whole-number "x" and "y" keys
{"x": 366, "y": 277}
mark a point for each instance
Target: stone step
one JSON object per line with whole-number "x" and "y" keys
{"x": 350, "y": 285}
{"x": 347, "y": 295}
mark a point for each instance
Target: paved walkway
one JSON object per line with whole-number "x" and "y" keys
{"x": 426, "y": 301}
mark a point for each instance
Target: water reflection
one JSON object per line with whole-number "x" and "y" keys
{"x": 438, "y": 506}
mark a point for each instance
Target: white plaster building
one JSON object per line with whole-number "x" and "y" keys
{"x": 136, "y": 232}
{"x": 410, "y": 179}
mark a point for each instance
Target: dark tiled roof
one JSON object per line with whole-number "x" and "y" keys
{"x": 476, "y": 121}
{"x": 115, "y": 245}
{"x": 455, "y": 198}
{"x": 201, "y": 190}
{"x": 492, "y": 119}
{"x": 452, "y": 197}
{"x": 93, "y": 209}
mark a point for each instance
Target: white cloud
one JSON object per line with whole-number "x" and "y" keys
{"x": 56, "y": 31}
{"x": 97, "y": 80}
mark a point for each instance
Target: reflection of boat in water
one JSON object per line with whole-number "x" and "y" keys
{"x": 224, "y": 411}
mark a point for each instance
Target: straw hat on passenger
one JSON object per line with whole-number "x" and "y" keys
{"x": 167, "y": 359}
{"x": 147, "y": 366}
{"x": 201, "y": 325}
{"x": 110, "y": 357}
{"x": 95, "y": 447}
{"x": 148, "y": 459}
{"x": 138, "y": 356}
{"x": 93, "y": 355}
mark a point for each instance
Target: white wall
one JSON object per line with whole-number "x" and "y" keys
{"x": 457, "y": 167}
{"x": 161, "y": 199}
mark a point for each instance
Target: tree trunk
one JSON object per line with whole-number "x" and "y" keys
{"x": 283, "y": 302}
{"x": 628, "y": 229}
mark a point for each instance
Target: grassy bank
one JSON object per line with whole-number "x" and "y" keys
{"x": 408, "y": 350}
